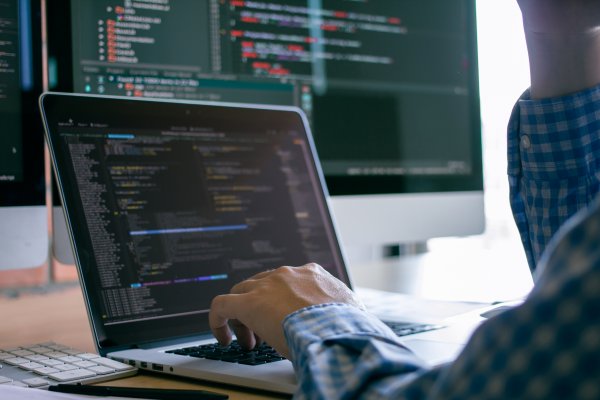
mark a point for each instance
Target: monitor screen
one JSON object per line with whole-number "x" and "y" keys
{"x": 390, "y": 88}
{"x": 21, "y": 143}
{"x": 23, "y": 230}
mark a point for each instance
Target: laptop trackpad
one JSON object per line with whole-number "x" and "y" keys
{"x": 432, "y": 352}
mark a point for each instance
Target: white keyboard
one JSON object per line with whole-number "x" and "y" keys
{"x": 45, "y": 364}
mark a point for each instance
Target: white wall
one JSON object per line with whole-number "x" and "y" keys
{"x": 504, "y": 75}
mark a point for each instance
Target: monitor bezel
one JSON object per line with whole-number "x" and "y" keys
{"x": 109, "y": 338}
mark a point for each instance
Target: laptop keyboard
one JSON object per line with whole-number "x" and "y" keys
{"x": 234, "y": 353}
{"x": 264, "y": 354}
{"x": 410, "y": 328}
{"x": 46, "y": 364}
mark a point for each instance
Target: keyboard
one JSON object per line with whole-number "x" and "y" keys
{"x": 45, "y": 364}
{"x": 234, "y": 353}
{"x": 264, "y": 354}
{"x": 410, "y": 328}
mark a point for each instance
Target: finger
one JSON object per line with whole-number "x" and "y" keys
{"x": 245, "y": 336}
{"x": 223, "y": 335}
{"x": 223, "y": 309}
{"x": 258, "y": 339}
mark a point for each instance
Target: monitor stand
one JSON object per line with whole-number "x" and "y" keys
{"x": 404, "y": 249}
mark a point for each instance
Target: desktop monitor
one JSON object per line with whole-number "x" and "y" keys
{"x": 390, "y": 89}
{"x": 23, "y": 219}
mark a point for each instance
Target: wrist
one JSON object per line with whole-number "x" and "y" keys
{"x": 563, "y": 63}
{"x": 320, "y": 322}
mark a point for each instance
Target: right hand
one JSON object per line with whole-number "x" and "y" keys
{"x": 256, "y": 307}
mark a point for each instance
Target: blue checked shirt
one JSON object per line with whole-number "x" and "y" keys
{"x": 553, "y": 164}
{"x": 548, "y": 347}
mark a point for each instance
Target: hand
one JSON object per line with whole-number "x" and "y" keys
{"x": 256, "y": 308}
{"x": 563, "y": 41}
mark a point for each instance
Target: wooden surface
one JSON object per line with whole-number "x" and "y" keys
{"x": 61, "y": 317}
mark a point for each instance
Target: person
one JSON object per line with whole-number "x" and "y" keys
{"x": 549, "y": 346}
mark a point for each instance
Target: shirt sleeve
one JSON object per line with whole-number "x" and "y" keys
{"x": 546, "y": 348}
{"x": 553, "y": 164}
{"x": 339, "y": 351}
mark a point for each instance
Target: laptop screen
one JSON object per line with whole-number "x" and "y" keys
{"x": 170, "y": 204}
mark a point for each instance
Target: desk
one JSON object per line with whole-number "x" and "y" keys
{"x": 61, "y": 317}
{"x": 456, "y": 273}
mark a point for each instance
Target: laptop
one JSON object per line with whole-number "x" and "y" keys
{"x": 171, "y": 203}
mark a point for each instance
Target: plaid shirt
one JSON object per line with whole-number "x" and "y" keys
{"x": 553, "y": 164}
{"x": 546, "y": 348}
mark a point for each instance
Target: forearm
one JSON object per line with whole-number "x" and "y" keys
{"x": 553, "y": 132}
{"x": 340, "y": 351}
{"x": 563, "y": 63}
{"x": 545, "y": 348}
{"x": 563, "y": 42}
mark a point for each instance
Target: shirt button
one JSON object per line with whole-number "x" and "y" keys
{"x": 525, "y": 142}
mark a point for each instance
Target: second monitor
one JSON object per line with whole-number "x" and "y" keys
{"x": 390, "y": 88}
